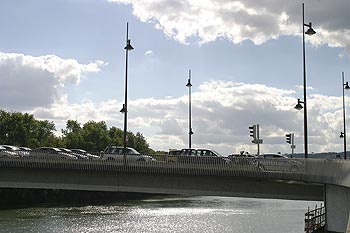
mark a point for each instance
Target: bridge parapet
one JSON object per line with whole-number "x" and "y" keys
{"x": 335, "y": 172}
{"x": 311, "y": 170}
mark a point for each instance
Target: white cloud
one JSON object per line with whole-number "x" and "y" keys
{"x": 28, "y": 81}
{"x": 148, "y": 52}
{"x": 253, "y": 20}
{"x": 221, "y": 114}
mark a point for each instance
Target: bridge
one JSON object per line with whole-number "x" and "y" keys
{"x": 294, "y": 179}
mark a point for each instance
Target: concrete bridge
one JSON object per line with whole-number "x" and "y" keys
{"x": 294, "y": 179}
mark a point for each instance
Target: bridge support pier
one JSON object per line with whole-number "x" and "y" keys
{"x": 337, "y": 202}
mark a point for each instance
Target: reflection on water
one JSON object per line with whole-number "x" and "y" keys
{"x": 175, "y": 214}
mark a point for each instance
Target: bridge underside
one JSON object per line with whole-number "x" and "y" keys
{"x": 67, "y": 179}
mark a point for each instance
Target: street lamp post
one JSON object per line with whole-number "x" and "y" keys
{"x": 310, "y": 32}
{"x": 125, "y": 105}
{"x": 190, "y": 132}
{"x": 343, "y": 134}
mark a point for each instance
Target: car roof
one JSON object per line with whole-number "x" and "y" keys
{"x": 24, "y": 148}
{"x": 9, "y": 147}
{"x": 275, "y": 155}
{"x": 80, "y": 150}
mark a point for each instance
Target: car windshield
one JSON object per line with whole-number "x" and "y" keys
{"x": 55, "y": 149}
{"x": 65, "y": 150}
{"x": 204, "y": 152}
{"x": 120, "y": 150}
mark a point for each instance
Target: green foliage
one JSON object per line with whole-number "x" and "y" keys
{"x": 95, "y": 136}
{"x": 24, "y": 130}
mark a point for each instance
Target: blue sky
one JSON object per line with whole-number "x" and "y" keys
{"x": 64, "y": 59}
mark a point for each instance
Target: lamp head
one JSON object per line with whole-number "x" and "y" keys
{"x": 341, "y": 135}
{"x": 123, "y": 110}
{"x": 310, "y": 31}
{"x": 299, "y": 106}
{"x": 128, "y": 45}
{"x": 189, "y": 83}
{"x": 346, "y": 86}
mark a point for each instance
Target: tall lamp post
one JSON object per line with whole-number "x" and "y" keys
{"x": 343, "y": 134}
{"x": 124, "y": 110}
{"x": 309, "y": 32}
{"x": 190, "y": 132}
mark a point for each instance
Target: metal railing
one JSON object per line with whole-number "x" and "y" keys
{"x": 315, "y": 219}
{"x": 165, "y": 164}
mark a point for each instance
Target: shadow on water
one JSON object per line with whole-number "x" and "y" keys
{"x": 26, "y": 198}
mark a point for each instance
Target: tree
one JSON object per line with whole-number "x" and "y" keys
{"x": 72, "y": 135}
{"x": 117, "y": 136}
{"x": 95, "y": 136}
{"x": 141, "y": 145}
{"x": 24, "y": 130}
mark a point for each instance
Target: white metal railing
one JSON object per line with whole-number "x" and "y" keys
{"x": 309, "y": 170}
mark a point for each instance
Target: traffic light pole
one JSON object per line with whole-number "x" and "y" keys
{"x": 290, "y": 140}
{"x": 254, "y": 133}
{"x": 257, "y": 133}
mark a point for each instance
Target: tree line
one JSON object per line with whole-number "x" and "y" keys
{"x": 22, "y": 129}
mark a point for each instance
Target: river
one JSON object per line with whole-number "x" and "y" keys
{"x": 164, "y": 214}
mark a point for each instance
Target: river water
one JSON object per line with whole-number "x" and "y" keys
{"x": 164, "y": 214}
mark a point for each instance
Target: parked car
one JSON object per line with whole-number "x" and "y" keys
{"x": 6, "y": 153}
{"x": 278, "y": 162}
{"x": 85, "y": 153}
{"x": 69, "y": 151}
{"x": 12, "y": 151}
{"x": 118, "y": 153}
{"x": 198, "y": 156}
{"x": 51, "y": 152}
{"x": 244, "y": 159}
{"x": 242, "y": 154}
{"x": 25, "y": 151}
{"x": 174, "y": 152}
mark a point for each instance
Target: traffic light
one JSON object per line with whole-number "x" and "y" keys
{"x": 289, "y": 138}
{"x": 252, "y": 131}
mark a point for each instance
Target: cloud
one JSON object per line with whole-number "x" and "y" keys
{"x": 148, "y": 52}
{"x": 221, "y": 114}
{"x": 28, "y": 81}
{"x": 253, "y": 20}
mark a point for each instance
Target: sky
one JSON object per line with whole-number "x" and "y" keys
{"x": 65, "y": 59}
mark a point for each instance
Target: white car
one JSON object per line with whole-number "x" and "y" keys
{"x": 277, "y": 162}
{"x": 118, "y": 153}
{"x": 11, "y": 151}
{"x": 51, "y": 152}
{"x": 204, "y": 156}
{"x": 85, "y": 153}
